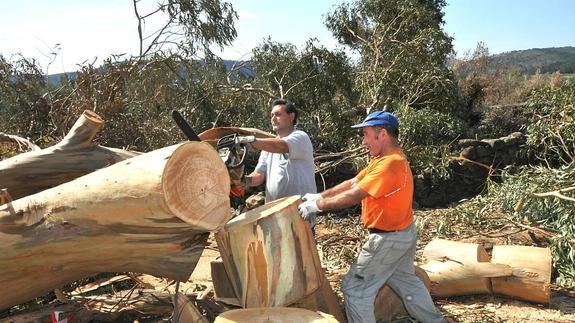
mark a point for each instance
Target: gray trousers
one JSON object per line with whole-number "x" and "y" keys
{"x": 387, "y": 257}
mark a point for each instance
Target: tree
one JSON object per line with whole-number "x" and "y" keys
{"x": 402, "y": 52}
{"x": 189, "y": 25}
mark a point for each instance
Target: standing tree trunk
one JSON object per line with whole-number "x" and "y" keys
{"x": 148, "y": 214}
{"x": 76, "y": 155}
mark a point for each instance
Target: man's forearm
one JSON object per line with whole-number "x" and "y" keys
{"x": 341, "y": 201}
{"x": 339, "y": 188}
{"x": 272, "y": 145}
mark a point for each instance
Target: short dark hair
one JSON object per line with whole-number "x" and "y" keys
{"x": 391, "y": 130}
{"x": 290, "y": 107}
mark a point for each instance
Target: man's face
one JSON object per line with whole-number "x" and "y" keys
{"x": 372, "y": 139}
{"x": 281, "y": 120}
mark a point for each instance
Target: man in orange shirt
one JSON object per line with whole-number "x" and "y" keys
{"x": 385, "y": 189}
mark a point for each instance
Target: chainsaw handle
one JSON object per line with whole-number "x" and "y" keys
{"x": 243, "y": 157}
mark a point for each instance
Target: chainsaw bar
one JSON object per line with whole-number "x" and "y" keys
{"x": 184, "y": 126}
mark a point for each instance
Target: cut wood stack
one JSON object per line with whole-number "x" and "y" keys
{"x": 148, "y": 214}
{"x": 458, "y": 268}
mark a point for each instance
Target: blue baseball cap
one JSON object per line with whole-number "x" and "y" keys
{"x": 379, "y": 118}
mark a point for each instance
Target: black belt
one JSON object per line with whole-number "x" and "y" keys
{"x": 375, "y": 230}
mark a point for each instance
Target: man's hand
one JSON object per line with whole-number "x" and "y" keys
{"x": 244, "y": 183}
{"x": 245, "y": 139}
{"x": 307, "y": 208}
{"x": 311, "y": 197}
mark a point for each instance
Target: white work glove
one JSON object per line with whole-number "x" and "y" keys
{"x": 306, "y": 209}
{"x": 245, "y": 139}
{"x": 311, "y": 197}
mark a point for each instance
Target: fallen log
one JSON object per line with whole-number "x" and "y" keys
{"x": 531, "y": 273}
{"x": 148, "y": 214}
{"x": 458, "y": 268}
{"x": 76, "y": 155}
{"x": 270, "y": 255}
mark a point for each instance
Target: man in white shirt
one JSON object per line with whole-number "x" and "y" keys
{"x": 286, "y": 162}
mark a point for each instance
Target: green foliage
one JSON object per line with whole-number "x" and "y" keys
{"x": 402, "y": 52}
{"x": 513, "y": 199}
{"x": 426, "y": 136}
{"x": 23, "y": 104}
{"x": 426, "y": 127}
{"x": 551, "y": 135}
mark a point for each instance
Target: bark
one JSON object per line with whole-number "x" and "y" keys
{"x": 270, "y": 255}
{"x": 148, "y": 214}
{"x": 76, "y": 155}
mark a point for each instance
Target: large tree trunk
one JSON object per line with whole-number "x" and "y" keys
{"x": 270, "y": 255}
{"x": 147, "y": 214}
{"x": 76, "y": 155}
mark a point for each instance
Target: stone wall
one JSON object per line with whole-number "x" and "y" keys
{"x": 478, "y": 160}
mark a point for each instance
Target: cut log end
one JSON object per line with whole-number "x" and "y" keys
{"x": 273, "y": 314}
{"x": 262, "y": 212}
{"x": 92, "y": 116}
{"x": 203, "y": 199}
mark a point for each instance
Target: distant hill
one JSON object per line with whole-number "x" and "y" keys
{"x": 547, "y": 60}
{"x": 246, "y": 70}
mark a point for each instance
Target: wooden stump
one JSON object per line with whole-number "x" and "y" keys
{"x": 270, "y": 255}
{"x": 223, "y": 289}
{"x": 275, "y": 315}
{"x": 458, "y": 268}
{"x": 147, "y": 214}
{"x": 531, "y": 272}
{"x": 76, "y": 155}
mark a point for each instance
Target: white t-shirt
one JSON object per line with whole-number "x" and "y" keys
{"x": 290, "y": 173}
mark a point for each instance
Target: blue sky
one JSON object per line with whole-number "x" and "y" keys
{"x": 81, "y": 31}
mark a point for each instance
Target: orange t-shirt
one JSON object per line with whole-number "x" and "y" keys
{"x": 389, "y": 184}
